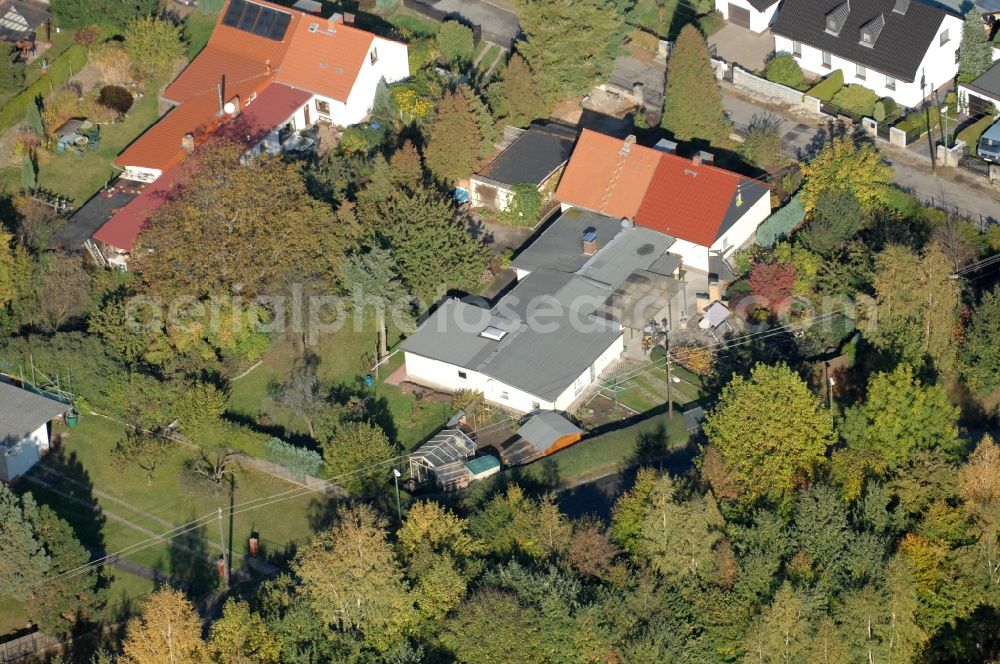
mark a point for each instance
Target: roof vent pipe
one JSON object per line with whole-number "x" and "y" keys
{"x": 590, "y": 241}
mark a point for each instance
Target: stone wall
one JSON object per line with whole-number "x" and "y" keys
{"x": 761, "y": 86}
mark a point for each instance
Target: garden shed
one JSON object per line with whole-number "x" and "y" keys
{"x": 442, "y": 460}
{"x": 549, "y": 432}
{"x": 534, "y": 157}
{"x": 24, "y": 428}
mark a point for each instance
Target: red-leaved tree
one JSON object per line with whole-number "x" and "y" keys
{"x": 773, "y": 283}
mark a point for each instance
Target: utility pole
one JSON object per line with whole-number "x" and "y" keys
{"x": 395, "y": 478}
{"x": 670, "y": 383}
{"x": 222, "y": 543}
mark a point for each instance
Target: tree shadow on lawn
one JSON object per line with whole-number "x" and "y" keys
{"x": 74, "y": 481}
{"x": 190, "y": 561}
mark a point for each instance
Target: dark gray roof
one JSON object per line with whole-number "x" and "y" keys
{"x": 630, "y": 250}
{"x": 543, "y": 430}
{"x": 988, "y": 84}
{"x": 899, "y": 49}
{"x": 95, "y": 213}
{"x": 22, "y": 412}
{"x": 542, "y": 360}
{"x": 560, "y": 246}
{"x": 750, "y": 191}
{"x": 533, "y": 156}
{"x": 761, "y": 5}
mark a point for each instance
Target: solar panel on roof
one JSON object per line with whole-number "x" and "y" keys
{"x": 234, "y": 12}
{"x": 277, "y": 32}
{"x": 264, "y": 23}
{"x": 249, "y": 17}
{"x": 257, "y": 19}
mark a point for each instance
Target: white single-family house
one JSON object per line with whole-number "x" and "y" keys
{"x": 904, "y": 49}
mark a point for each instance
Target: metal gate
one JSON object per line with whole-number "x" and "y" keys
{"x": 975, "y": 165}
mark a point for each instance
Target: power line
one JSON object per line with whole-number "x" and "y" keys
{"x": 198, "y": 523}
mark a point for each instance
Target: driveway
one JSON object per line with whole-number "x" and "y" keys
{"x": 499, "y": 25}
{"x": 735, "y": 44}
{"x": 947, "y": 188}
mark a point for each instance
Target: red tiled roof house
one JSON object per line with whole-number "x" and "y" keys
{"x": 709, "y": 211}
{"x": 266, "y": 72}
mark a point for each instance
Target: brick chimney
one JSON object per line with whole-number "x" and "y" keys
{"x": 590, "y": 241}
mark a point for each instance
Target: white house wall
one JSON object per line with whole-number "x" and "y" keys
{"x": 740, "y": 233}
{"x": 694, "y": 256}
{"x": 392, "y": 65}
{"x": 938, "y": 66}
{"x": 444, "y": 376}
{"x": 19, "y": 458}
{"x": 565, "y": 400}
{"x": 759, "y": 21}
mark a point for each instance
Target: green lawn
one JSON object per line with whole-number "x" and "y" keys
{"x": 197, "y": 29}
{"x": 340, "y": 363}
{"x": 644, "y": 442}
{"x": 972, "y": 133}
{"x": 80, "y": 177}
{"x": 667, "y": 17}
{"x": 410, "y": 22}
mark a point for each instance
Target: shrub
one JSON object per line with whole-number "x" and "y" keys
{"x": 115, "y": 97}
{"x": 360, "y": 138}
{"x": 884, "y": 108}
{"x": 828, "y": 87}
{"x": 455, "y": 43}
{"x": 785, "y": 69}
{"x": 525, "y": 206}
{"x": 644, "y": 40}
{"x": 60, "y": 70}
{"x": 856, "y": 99}
{"x": 299, "y": 460}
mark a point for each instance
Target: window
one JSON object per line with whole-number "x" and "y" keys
{"x": 323, "y": 107}
{"x": 374, "y": 55}
{"x": 890, "y": 83}
{"x": 253, "y": 95}
{"x": 958, "y": 56}
{"x": 463, "y": 375}
{"x": 536, "y": 405}
{"x": 505, "y": 395}
{"x": 861, "y": 72}
{"x": 827, "y": 59}
{"x": 797, "y": 49}
{"x": 944, "y": 37}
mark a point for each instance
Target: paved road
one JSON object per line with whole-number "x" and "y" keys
{"x": 499, "y": 25}
{"x": 802, "y": 135}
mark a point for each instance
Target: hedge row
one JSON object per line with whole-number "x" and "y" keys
{"x": 60, "y": 70}
{"x": 828, "y": 87}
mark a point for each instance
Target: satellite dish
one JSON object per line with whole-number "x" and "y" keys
{"x": 229, "y": 108}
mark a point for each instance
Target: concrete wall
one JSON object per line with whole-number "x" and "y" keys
{"x": 765, "y": 88}
{"x": 759, "y": 21}
{"x": 938, "y": 65}
{"x": 489, "y": 193}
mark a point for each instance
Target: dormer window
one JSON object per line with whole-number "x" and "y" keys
{"x": 836, "y": 19}
{"x": 871, "y": 30}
